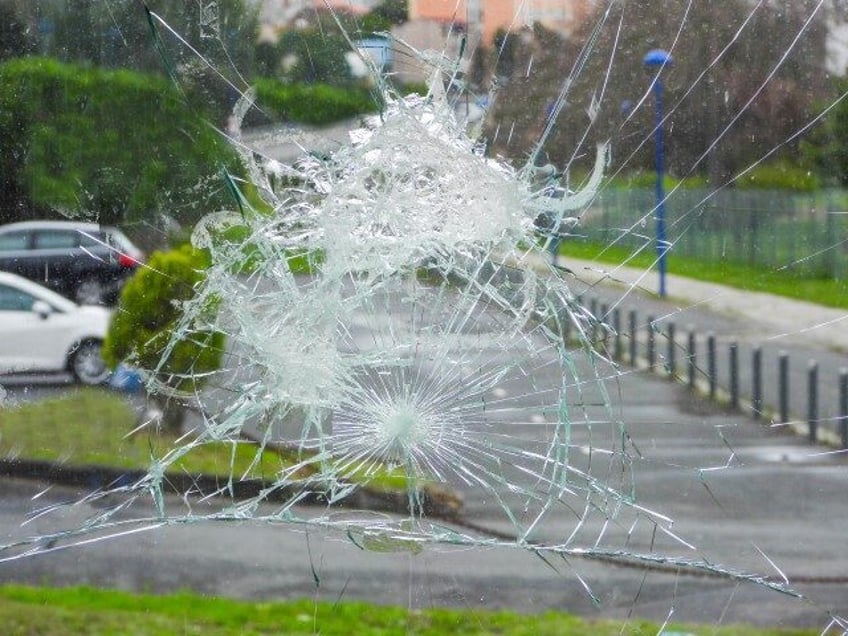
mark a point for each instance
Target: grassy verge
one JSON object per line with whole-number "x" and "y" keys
{"x": 88, "y": 611}
{"x": 828, "y": 292}
{"x": 90, "y": 427}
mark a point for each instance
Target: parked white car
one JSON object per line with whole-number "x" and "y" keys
{"x": 43, "y": 331}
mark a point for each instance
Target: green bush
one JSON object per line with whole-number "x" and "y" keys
{"x": 418, "y": 88}
{"x": 315, "y": 104}
{"x": 779, "y": 176}
{"x": 151, "y": 310}
{"x": 648, "y": 179}
{"x": 110, "y": 145}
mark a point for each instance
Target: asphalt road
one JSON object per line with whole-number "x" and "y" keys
{"x": 21, "y": 388}
{"x": 741, "y": 495}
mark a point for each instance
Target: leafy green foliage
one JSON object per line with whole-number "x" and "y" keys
{"x": 267, "y": 60}
{"x": 648, "y": 179}
{"x": 118, "y": 33}
{"x": 385, "y": 15}
{"x": 826, "y": 149}
{"x": 315, "y": 57}
{"x": 15, "y": 38}
{"x": 779, "y": 176}
{"x": 766, "y": 103}
{"x": 121, "y": 34}
{"x": 111, "y": 145}
{"x": 149, "y": 313}
{"x": 316, "y": 104}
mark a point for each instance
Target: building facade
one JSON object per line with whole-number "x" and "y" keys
{"x": 483, "y": 18}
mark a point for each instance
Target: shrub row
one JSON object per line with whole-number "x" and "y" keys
{"x": 314, "y": 104}
{"x": 771, "y": 176}
{"x": 106, "y": 144}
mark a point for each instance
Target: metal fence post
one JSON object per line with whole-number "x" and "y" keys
{"x": 690, "y": 355}
{"x": 593, "y": 310}
{"x": 843, "y": 406}
{"x": 831, "y": 255}
{"x": 632, "y": 317}
{"x": 711, "y": 365}
{"x": 616, "y": 325}
{"x": 603, "y": 325}
{"x": 757, "y": 383}
{"x": 783, "y": 386}
{"x": 670, "y": 357}
{"x": 652, "y": 349}
{"x": 734, "y": 375}
{"x": 813, "y": 400}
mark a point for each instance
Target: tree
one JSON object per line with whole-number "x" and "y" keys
{"x": 315, "y": 57}
{"x": 109, "y": 145}
{"x": 145, "y": 331}
{"x": 267, "y": 60}
{"x": 70, "y": 45}
{"x": 16, "y": 37}
{"x": 385, "y": 15}
{"x": 121, "y": 33}
{"x": 746, "y": 103}
{"x": 826, "y": 149}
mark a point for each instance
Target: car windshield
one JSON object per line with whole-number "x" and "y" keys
{"x": 120, "y": 242}
{"x": 39, "y": 292}
{"x": 14, "y": 241}
{"x": 13, "y": 299}
{"x": 412, "y": 312}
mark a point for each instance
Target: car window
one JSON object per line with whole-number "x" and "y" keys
{"x": 13, "y": 241}
{"x": 54, "y": 239}
{"x": 119, "y": 241}
{"x": 12, "y": 299}
{"x": 91, "y": 239}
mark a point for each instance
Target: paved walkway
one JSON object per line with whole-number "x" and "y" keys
{"x": 776, "y": 318}
{"x": 807, "y": 333}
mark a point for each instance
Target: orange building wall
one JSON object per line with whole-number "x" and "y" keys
{"x": 559, "y": 15}
{"x": 439, "y": 10}
{"x": 499, "y": 14}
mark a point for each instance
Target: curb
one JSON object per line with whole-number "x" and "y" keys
{"x": 435, "y": 501}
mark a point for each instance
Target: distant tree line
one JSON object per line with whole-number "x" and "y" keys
{"x": 729, "y": 100}
{"x": 105, "y": 114}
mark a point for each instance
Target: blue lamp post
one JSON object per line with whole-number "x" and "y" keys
{"x": 657, "y": 59}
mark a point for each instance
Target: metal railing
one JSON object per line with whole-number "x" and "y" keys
{"x": 732, "y": 373}
{"x": 807, "y": 233}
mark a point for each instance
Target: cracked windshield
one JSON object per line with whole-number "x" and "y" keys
{"x": 423, "y": 316}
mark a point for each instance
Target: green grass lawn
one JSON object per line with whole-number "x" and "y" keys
{"x": 828, "y": 292}
{"x": 91, "y": 427}
{"x": 88, "y": 611}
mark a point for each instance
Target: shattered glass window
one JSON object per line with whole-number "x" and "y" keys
{"x": 532, "y": 329}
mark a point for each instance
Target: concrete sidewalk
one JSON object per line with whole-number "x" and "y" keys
{"x": 775, "y": 318}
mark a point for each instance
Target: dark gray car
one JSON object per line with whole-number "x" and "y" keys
{"x": 85, "y": 262}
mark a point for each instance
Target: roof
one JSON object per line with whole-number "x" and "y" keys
{"x": 84, "y": 226}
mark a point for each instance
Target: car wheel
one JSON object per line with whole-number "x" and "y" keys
{"x": 90, "y": 292}
{"x": 87, "y": 365}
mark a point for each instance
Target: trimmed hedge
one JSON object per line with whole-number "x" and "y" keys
{"x": 779, "y": 176}
{"x": 314, "y": 104}
{"x": 104, "y": 144}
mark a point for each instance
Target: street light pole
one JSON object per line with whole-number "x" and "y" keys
{"x": 659, "y": 59}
